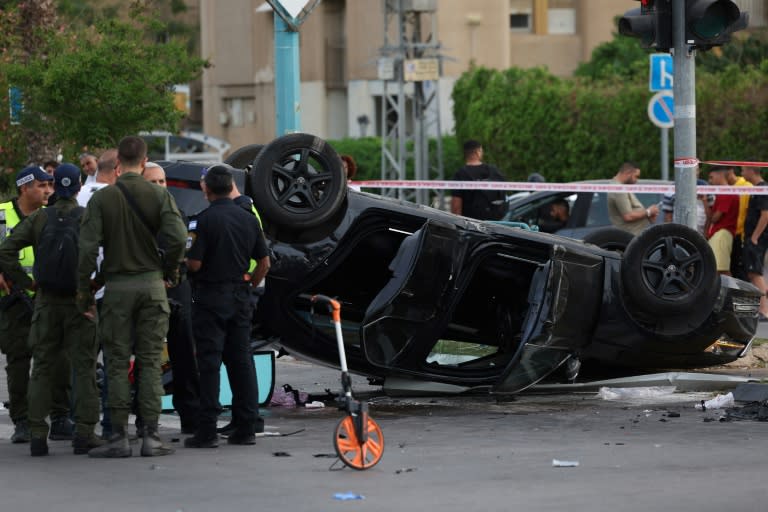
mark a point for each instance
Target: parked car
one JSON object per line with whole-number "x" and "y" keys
{"x": 434, "y": 298}
{"x": 588, "y": 210}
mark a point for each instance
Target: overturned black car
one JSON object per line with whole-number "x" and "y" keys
{"x": 432, "y": 298}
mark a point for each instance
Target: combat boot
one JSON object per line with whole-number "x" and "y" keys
{"x": 38, "y": 447}
{"x": 116, "y": 447}
{"x": 20, "y": 432}
{"x": 152, "y": 445}
{"x": 62, "y": 429}
{"x": 82, "y": 444}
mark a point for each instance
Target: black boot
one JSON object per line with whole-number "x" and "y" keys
{"x": 83, "y": 444}
{"x": 38, "y": 447}
{"x": 203, "y": 438}
{"x": 62, "y": 429}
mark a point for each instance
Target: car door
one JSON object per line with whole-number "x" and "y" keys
{"x": 409, "y": 308}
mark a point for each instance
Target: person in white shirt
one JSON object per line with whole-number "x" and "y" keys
{"x": 105, "y": 175}
{"x": 89, "y": 164}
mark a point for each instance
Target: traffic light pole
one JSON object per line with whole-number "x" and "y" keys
{"x": 685, "y": 120}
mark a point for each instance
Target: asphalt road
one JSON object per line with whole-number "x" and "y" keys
{"x": 447, "y": 454}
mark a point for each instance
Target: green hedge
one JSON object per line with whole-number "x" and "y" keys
{"x": 572, "y": 129}
{"x": 367, "y": 153}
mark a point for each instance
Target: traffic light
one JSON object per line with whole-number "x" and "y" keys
{"x": 651, "y": 23}
{"x": 710, "y": 23}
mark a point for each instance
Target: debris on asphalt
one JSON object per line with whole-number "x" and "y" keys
{"x": 565, "y": 463}
{"x": 755, "y": 411}
{"x": 314, "y": 405}
{"x": 281, "y": 454}
{"x": 751, "y": 392}
{"x": 345, "y": 496}
{"x": 325, "y": 455}
{"x": 607, "y": 393}
{"x": 719, "y": 402}
{"x": 673, "y": 414}
{"x": 404, "y": 470}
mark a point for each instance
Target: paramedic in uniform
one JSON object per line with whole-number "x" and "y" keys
{"x": 224, "y": 239}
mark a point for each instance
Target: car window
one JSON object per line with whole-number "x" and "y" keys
{"x": 598, "y": 209}
{"x": 537, "y": 212}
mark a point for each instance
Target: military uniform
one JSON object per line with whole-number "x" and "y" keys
{"x": 224, "y": 238}
{"x": 135, "y": 295}
{"x": 59, "y": 333}
{"x": 14, "y": 334}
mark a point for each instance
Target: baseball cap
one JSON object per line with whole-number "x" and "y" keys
{"x": 66, "y": 180}
{"x": 30, "y": 174}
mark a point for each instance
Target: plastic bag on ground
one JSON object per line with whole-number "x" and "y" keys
{"x": 719, "y": 402}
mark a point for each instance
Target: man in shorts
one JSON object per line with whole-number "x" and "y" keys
{"x": 756, "y": 236}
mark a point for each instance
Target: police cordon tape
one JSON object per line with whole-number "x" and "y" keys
{"x": 525, "y": 186}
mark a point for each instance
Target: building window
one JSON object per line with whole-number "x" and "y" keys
{"x": 561, "y": 17}
{"x": 521, "y": 15}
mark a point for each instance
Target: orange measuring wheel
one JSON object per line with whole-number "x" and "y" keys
{"x": 359, "y": 450}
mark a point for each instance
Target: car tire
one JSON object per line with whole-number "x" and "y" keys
{"x": 298, "y": 181}
{"x": 610, "y": 239}
{"x": 244, "y": 156}
{"x": 670, "y": 269}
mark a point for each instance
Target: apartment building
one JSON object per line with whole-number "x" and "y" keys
{"x": 340, "y": 44}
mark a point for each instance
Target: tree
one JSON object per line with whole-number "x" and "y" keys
{"x": 90, "y": 86}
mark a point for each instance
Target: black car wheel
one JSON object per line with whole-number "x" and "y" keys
{"x": 244, "y": 156}
{"x": 610, "y": 239}
{"x": 298, "y": 181}
{"x": 669, "y": 269}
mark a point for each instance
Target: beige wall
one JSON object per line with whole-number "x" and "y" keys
{"x": 239, "y": 42}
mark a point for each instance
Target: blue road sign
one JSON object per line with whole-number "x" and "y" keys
{"x": 661, "y": 109}
{"x": 15, "y": 104}
{"x": 661, "y": 77}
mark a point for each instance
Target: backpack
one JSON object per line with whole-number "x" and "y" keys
{"x": 489, "y": 204}
{"x": 56, "y": 255}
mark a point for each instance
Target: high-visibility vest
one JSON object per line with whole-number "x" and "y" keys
{"x": 254, "y": 263}
{"x": 8, "y": 220}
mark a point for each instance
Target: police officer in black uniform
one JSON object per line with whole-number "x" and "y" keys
{"x": 224, "y": 240}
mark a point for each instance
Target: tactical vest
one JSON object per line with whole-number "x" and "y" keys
{"x": 8, "y": 220}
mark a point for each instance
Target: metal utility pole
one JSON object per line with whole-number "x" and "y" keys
{"x": 685, "y": 120}
{"x": 410, "y": 68}
{"x": 287, "y": 64}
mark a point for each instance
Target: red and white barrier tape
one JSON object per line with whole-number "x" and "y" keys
{"x": 525, "y": 186}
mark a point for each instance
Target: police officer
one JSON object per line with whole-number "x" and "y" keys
{"x": 181, "y": 342}
{"x": 126, "y": 220}
{"x": 59, "y": 332}
{"x": 34, "y": 187}
{"x": 225, "y": 239}
{"x": 246, "y": 203}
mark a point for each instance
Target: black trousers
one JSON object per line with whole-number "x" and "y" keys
{"x": 181, "y": 350}
{"x": 221, "y": 318}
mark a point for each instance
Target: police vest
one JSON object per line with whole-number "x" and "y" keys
{"x": 255, "y": 263}
{"x": 8, "y": 220}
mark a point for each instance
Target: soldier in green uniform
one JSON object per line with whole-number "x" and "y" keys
{"x": 59, "y": 331}
{"x": 126, "y": 219}
{"x": 34, "y": 187}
